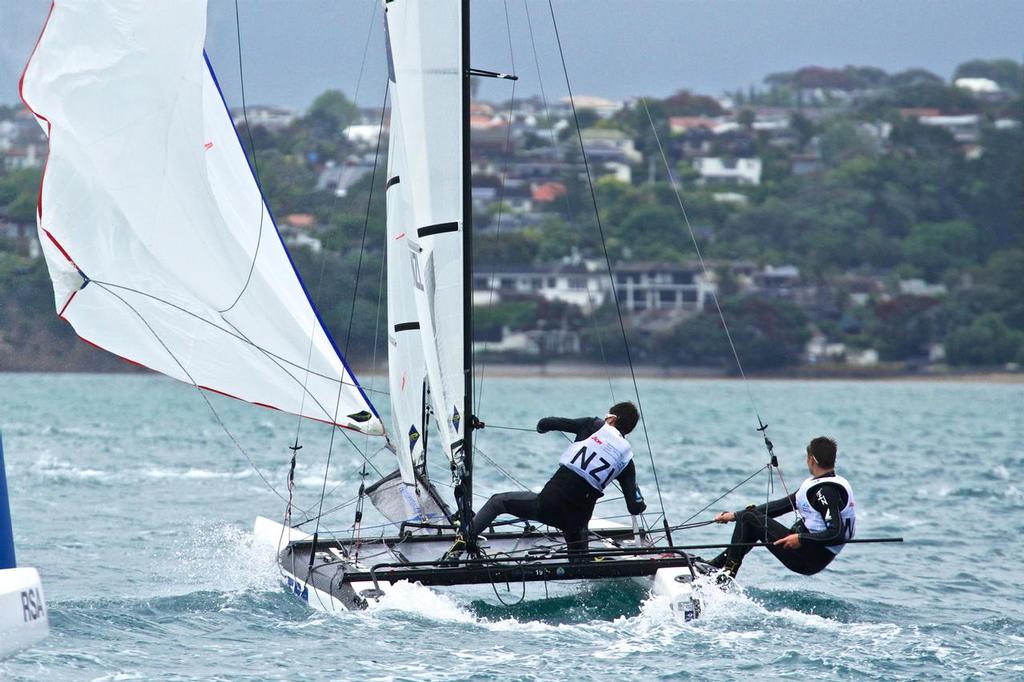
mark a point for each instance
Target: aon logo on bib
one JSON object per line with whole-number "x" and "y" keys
{"x": 813, "y": 519}
{"x": 600, "y": 458}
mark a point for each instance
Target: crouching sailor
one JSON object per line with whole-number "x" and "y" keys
{"x": 599, "y": 455}
{"x": 826, "y": 519}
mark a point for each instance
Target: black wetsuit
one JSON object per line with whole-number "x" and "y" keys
{"x": 566, "y": 501}
{"x": 813, "y": 554}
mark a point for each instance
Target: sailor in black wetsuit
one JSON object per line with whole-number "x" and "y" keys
{"x": 826, "y": 519}
{"x": 598, "y": 455}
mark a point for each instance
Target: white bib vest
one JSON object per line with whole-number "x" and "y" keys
{"x": 814, "y": 522}
{"x": 600, "y": 458}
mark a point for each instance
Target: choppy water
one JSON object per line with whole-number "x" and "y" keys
{"x": 137, "y": 509}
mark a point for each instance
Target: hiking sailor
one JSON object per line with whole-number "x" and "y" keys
{"x": 598, "y": 455}
{"x": 825, "y": 519}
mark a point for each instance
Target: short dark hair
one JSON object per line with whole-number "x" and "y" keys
{"x": 823, "y": 450}
{"x": 627, "y": 415}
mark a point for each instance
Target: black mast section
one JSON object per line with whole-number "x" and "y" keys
{"x": 465, "y": 489}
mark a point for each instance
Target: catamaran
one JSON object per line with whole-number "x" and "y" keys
{"x": 430, "y": 362}
{"x": 163, "y": 251}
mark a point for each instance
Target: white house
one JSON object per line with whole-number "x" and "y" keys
{"x": 726, "y": 171}
{"x": 980, "y": 86}
{"x": 271, "y": 118}
{"x": 599, "y": 105}
{"x": 609, "y": 145}
{"x": 819, "y": 349}
{"x": 965, "y": 128}
{"x": 662, "y": 286}
{"x": 918, "y": 287}
{"x": 362, "y": 133}
{"x": 578, "y": 285}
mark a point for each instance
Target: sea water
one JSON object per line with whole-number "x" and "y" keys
{"x": 137, "y": 508}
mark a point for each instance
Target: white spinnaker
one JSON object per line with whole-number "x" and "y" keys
{"x": 425, "y": 38}
{"x": 407, "y": 368}
{"x": 151, "y": 220}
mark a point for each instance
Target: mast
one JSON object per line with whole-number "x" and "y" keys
{"x": 466, "y": 485}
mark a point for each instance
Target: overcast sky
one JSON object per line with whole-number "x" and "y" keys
{"x": 295, "y": 49}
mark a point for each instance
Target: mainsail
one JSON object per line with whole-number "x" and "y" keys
{"x": 159, "y": 243}
{"x": 407, "y": 369}
{"x": 426, "y": 68}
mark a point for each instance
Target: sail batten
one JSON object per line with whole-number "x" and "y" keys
{"x": 425, "y": 68}
{"x": 406, "y": 365}
{"x": 160, "y": 245}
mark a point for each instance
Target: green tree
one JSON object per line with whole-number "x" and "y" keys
{"x": 936, "y": 247}
{"x": 843, "y": 141}
{"x": 331, "y": 113}
{"x": 946, "y": 98}
{"x": 505, "y": 249}
{"x": 1004, "y": 276}
{"x": 994, "y": 192}
{"x": 985, "y": 342}
{"x": 686, "y": 103}
{"x": 768, "y": 335}
{"x": 516, "y": 315}
{"x": 746, "y": 117}
{"x": 18, "y": 192}
{"x": 905, "y": 327}
{"x": 914, "y": 77}
{"x": 1008, "y": 73}
{"x": 803, "y": 127}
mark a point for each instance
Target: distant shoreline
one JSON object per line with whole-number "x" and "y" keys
{"x": 569, "y": 370}
{"x": 594, "y": 371}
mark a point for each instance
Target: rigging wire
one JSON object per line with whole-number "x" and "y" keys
{"x": 503, "y": 471}
{"x": 108, "y": 287}
{"x": 344, "y": 480}
{"x": 288, "y": 500}
{"x": 255, "y": 165}
{"x": 323, "y": 264}
{"x": 772, "y": 459}
{"x": 703, "y": 509}
{"x": 337, "y": 405}
{"x": 700, "y": 258}
{"x": 510, "y": 428}
{"x": 334, "y": 202}
{"x": 568, "y": 202}
{"x": 323, "y": 267}
{"x": 239, "y": 336}
{"x": 202, "y": 393}
{"x": 607, "y": 258}
{"x": 501, "y": 204}
{"x": 366, "y": 219}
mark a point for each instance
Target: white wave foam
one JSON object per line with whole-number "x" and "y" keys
{"x": 194, "y": 473}
{"x": 49, "y": 466}
{"x": 227, "y": 558}
{"x": 52, "y": 467}
{"x": 417, "y": 599}
{"x": 315, "y": 481}
{"x": 730, "y": 619}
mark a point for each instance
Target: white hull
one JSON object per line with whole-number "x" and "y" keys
{"x": 277, "y": 537}
{"x": 24, "y": 618}
{"x": 672, "y": 583}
